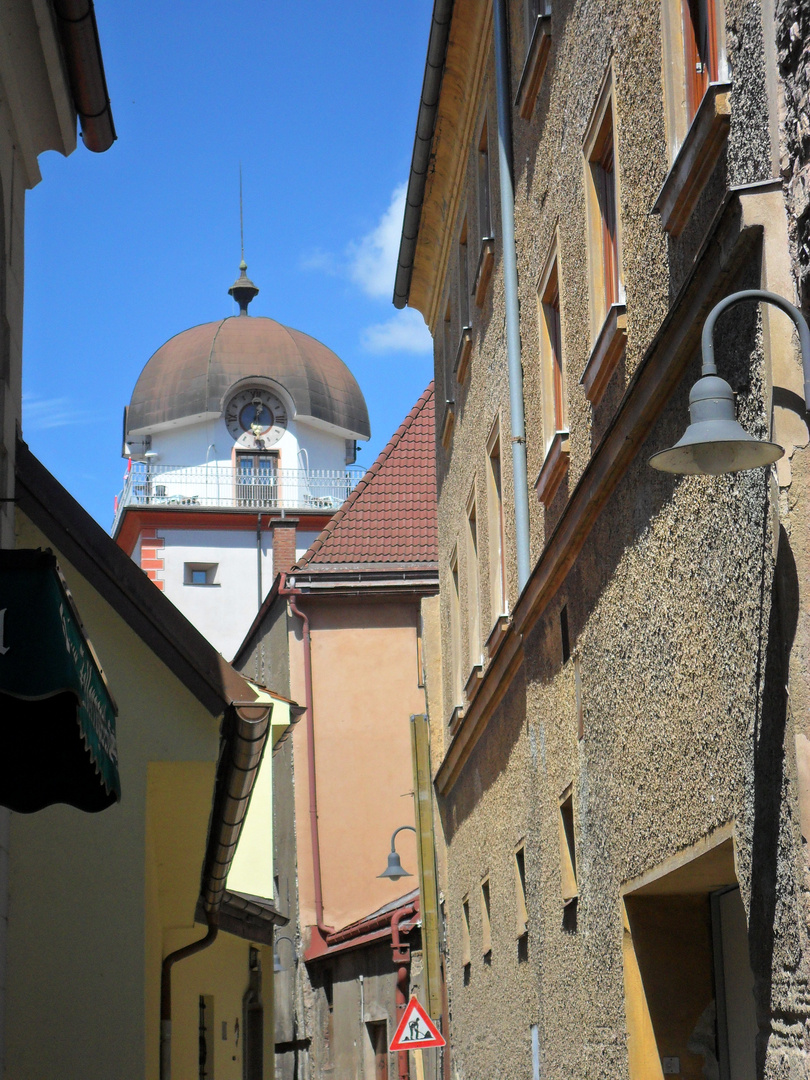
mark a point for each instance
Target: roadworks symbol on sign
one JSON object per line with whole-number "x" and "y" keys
{"x": 416, "y": 1030}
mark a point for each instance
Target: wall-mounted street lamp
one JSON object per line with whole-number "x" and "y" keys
{"x": 394, "y": 870}
{"x": 715, "y": 443}
{"x": 277, "y": 964}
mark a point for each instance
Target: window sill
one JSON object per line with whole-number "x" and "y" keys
{"x": 535, "y": 67}
{"x": 605, "y": 354}
{"x": 696, "y": 159}
{"x": 554, "y": 469}
{"x": 448, "y": 423}
{"x": 456, "y": 716}
{"x": 486, "y": 261}
{"x": 497, "y": 634}
{"x": 473, "y": 682}
{"x": 202, "y": 584}
{"x": 463, "y": 354}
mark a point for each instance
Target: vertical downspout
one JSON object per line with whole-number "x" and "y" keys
{"x": 401, "y": 994}
{"x": 166, "y": 992}
{"x": 313, "y": 790}
{"x": 259, "y": 560}
{"x": 510, "y": 282}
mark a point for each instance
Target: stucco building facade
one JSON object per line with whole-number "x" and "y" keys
{"x": 621, "y": 740}
{"x": 346, "y": 632}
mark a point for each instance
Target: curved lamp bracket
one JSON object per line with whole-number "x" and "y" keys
{"x": 707, "y": 338}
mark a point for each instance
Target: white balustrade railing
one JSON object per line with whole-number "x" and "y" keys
{"x": 229, "y": 487}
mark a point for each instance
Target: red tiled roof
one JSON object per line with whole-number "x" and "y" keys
{"x": 390, "y": 517}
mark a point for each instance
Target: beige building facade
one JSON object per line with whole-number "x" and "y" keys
{"x": 620, "y": 748}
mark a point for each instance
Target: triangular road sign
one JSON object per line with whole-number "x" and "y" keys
{"x": 416, "y": 1030}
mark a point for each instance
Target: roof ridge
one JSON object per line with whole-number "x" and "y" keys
{"x": 366, "y": 480}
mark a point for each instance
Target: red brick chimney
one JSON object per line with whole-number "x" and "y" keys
{"x": 284, "y": 532}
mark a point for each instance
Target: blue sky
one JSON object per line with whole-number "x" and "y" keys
{"x": 125, "y": 249}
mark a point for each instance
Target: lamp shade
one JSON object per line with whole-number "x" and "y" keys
{"x": 394, "y": 870}
{"x": 715, "y": 443}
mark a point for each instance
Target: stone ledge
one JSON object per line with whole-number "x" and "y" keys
{"x": 534, "y": 68}
{"x": 605, "y": 354}
{"x": 696, "y": 159}
{"x": 553, "y": 469}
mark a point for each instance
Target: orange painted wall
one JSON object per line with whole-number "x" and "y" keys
{"x": 365, "y": 688}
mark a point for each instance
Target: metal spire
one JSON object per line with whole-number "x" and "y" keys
{"x": 243, "y": 290}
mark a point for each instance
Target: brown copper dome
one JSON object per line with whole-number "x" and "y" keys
{"x": 191, "y": 374}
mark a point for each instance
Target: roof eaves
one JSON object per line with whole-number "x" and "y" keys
{"x": 125, "y": 587}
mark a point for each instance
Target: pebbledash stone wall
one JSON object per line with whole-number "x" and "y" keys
{"x": 793, "y": 55}
{"x": 681, "y": 607}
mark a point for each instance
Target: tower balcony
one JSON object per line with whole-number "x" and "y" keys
{"x": 252, "y": 485}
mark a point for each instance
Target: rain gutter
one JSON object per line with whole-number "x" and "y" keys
{"x": 510, "y": 285}
{"x": 78, "y": 33}
{"x": 420, "y": 161}
{"x": 246, "y": 728}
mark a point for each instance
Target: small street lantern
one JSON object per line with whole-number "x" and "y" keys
{"x": 277, "y": 964}
{"x": 394, "y": 870}
{"x": 715, "y": 443}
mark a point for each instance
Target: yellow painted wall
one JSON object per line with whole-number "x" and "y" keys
{"x": 88, "y": 892}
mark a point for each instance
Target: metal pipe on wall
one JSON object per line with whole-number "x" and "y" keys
{"x": 314, "y": 832}
{"x": 510, "y": 284}
{"x": 401, "y": 994}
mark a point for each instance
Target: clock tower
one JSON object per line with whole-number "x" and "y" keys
{"x": 240, "y": 440}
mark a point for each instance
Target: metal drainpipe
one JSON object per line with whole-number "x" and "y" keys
{"x": 401, "y": 995}
{"x": 291, "y": 594}
{"x": 510, "y": 282}
{"x": 259, "y": 559}
{"x": 166, "y": 992}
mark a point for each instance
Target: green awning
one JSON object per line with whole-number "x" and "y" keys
{"x": 57, "y": 716}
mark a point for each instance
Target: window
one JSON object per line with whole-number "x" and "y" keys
{"x": 465, "y": 932}
{"x": 521, "y": 910}
{"x": 486, "y": 254}
{"x": 603, "y": 173}
{"x": 205, "y": 1069}
{"x": 473, "y": 597}
{"x": 455, "y": 632}
{"x": 697, "y": 103}
{"x": 604, "y": 247}
{"x": 256, "y": 479}
{"x": 486, "y": 922}
{"x": 554, "y": 410}
{"x": 484, "y": 209}
{"x": 568, "y": 852}
{"x": 606, "y": 284}
{"x": 463, "y": 277}
{"x": 200, "y": 573}
{"x": 497, "y": 568}
{"x": 700, "y": 51}
{"x": 537, "y": 44}
{"x": 329, "y": 1014}
{"x": 552, "y": 373}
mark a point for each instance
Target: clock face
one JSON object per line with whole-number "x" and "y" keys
{"x": 255, "y": 418}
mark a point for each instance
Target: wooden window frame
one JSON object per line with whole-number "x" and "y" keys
{"x": 554, "y": 399}
{"x": 568, "y": 847}
{"x": 486, "y": 918}
{"x": 521, "y": 904}
{"x": 466, "y": 946}
{"x": 472, "y": 541}
{"x": 455, "y": 630}
{"x": 697, "y": 106}
{"x": 602, "y": 204}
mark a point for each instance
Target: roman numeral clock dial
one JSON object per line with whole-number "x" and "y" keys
{"x": 255, "y": 418}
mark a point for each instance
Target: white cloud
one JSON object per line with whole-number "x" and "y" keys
{"x": 42, "y": 414}
{"x": 405, "y": 332}
{"x": 318, "y": 259}
{"x": 373, "y": 259}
